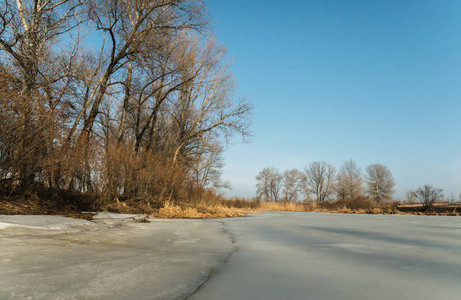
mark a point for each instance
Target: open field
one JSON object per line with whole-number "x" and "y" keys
{"x": 276, "y": 255}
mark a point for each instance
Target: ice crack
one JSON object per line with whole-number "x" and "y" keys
{"x": 216, "y": 270}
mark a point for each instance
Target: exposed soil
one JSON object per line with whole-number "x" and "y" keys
{"x": 438, "y": 209}
{"x": 40, "y": 205}
{"x": 69, "y": 204}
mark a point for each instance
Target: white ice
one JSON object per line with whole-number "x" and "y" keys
{"x": 52, "y": 257}
{"x": 268, "y": 256}
{"x": 337, "y": 256}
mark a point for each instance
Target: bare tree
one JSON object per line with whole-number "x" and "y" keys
{"x": 320, "y": 179}
{"x": 380, "y": 183}
{"x": 428, "y": 195}
{"x": 133, "y": 28}
{"x": 349, "y": 180}
{"x": 269, "y": 182}
{"x": 305, "y": 188}
{"x": 205, "y": 106}
{"x": 148, "y": 114}
{"x": 292, "y": 184}
{"x": 29, "y": 31}
{"x": 207, "y": 167}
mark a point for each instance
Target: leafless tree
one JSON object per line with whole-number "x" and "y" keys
{"x": 320, "y": 179}
{"x": 207, "y": 167}
{"x": 205, "y": 106}
{"x": 349, "y": 180}
{"x": 428, "y": 195}
{"x": 148, "y": 114}
{"x": 292, "y": 184}
{"x": 269, "y": 182}
{"x": 380, "y": 183}
{"x": 29, "y": 31}
{"x": 305, "y": 188}
{"x": 131, "y": 28}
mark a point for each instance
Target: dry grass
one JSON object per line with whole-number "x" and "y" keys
{"x": 336, "y": 207}
{"x": 283, "y": 206}
{"x": 346, "y": 208}
{"x": 172, "y": 211}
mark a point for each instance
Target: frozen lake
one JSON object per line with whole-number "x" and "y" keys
{"x": 336, "y": 256}
{"x": 270, "y": 256}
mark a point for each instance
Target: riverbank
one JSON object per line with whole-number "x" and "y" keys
{"x": 78, "y": 206}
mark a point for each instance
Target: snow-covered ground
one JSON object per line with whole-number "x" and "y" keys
{"x": 269, "y": 256}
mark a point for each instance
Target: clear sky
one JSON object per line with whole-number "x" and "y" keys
{"x": 375, "y": 81}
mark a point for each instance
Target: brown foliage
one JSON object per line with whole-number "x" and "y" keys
{"x": 140, "y": 124}
{"x": 144, "y": 176}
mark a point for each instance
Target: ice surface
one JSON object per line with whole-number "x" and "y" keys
{"x": 45, "y": 222}
{"x": 108, "y": 215}
{"x": 269, "y": 256}
{"x": 336, "y": 256}
{"x": 51, "y": 257}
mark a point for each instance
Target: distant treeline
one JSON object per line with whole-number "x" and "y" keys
{"x": 123, "y": 99}
{"x": 321, "y": 182}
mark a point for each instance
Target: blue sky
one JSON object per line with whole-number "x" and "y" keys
{"x": 375, "y": 81}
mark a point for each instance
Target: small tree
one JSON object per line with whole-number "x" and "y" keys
{"x": 428, "y": 195}
{"x": 269, "y": 182}
{"x": 292, "y": 184}
{"x": 380, "y": 183}
{"x": 349, "y": 180}
{"x": 320, "y": 180}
